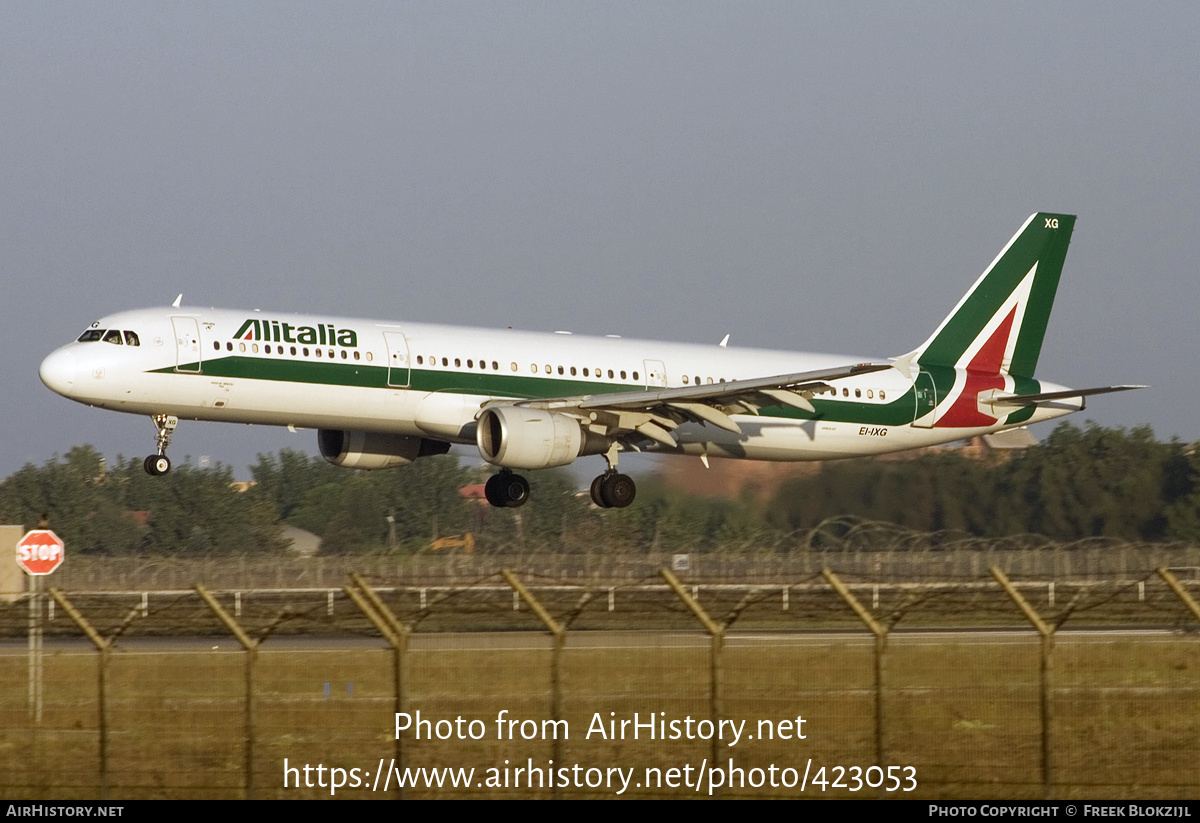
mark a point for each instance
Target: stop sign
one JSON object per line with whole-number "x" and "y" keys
{"x": 40, "y": 551}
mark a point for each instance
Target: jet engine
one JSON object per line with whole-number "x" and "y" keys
{"x": 520, "y": 438}
{"x": 373, "y": 450}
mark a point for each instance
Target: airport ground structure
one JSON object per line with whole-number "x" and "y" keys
{"x": 976, "y": 671}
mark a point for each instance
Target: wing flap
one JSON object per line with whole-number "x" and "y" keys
{"x": 790, "y": 398}
{"x": 708, "y": 414}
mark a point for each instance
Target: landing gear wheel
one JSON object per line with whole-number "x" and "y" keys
{"x": 506, "y": 490}
{"x": 517, "y": 491}
{"x": 598, "y": 492}
{"x": 617, "y": 490}
{"x": 491, "y": 490}
{"x": 156, "y": 464}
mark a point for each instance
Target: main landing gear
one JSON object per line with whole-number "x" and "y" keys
{"x": 158, "y": 464}
{"x": 506, "y": 490}
{"x": 613, "y": 490}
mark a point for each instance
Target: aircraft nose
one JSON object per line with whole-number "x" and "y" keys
{"x": 58, "y": 372}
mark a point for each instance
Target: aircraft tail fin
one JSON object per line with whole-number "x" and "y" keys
{"x": 999, "y": 325}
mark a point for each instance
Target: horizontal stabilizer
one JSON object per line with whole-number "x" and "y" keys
{"x": 1046, "y": 397}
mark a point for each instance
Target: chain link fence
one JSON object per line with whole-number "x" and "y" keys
{"x": 999, "y": 685}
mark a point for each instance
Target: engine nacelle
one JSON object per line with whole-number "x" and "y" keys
{"x": 373, "y": 450}
{"x": 520, "y": 438}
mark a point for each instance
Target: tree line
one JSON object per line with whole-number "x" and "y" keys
{"x": 1080, "y": 482}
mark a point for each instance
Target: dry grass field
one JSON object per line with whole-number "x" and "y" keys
{"x": 962, "y": 710}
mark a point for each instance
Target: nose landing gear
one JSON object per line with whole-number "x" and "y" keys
{"x": 159, "y": 464}
{"x": 156, "y": 464}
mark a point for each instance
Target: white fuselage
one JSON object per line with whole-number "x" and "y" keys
{"x": 431, "y": 380}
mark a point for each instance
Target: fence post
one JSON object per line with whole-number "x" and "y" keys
{"x": 881, "y": 634}
{"x": 251, "y": 647}
{"x": 559, "y": 633}
{"x": 396, "y": 634}
{"x": 716, "y": 662}
{"x": 1180, "y": 591}
{"x": 1047, "y": 635}
{"x": 104, "y": 647}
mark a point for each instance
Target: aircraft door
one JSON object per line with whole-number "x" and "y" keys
{"x": 399, "y": 370}
{"x": 187, "y": 344}
{"x": 925, "y": 415}
{"x": 656, "y": 374}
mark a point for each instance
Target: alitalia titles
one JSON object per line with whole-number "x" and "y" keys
{"x": 276, "y": 331}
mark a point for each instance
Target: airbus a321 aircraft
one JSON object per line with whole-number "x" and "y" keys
{"x": 383, "y": 394}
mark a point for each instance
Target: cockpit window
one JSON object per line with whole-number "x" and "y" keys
{"x": 131, "y": 339}
{"x": 91, "y": 335}
{"x": 114, "y": 337}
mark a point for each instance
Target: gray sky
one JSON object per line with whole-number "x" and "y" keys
{"x": 823, "y": 177}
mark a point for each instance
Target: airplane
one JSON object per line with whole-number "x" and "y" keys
{"x": 383, "y": 394}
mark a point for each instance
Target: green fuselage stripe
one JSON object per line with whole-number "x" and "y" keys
{"x": 897, "y": 412}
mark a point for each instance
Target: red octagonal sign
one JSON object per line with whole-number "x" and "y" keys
{"x": 40, "y": 551}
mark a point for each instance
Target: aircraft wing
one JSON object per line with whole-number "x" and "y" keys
{"x": 655, "y": 413}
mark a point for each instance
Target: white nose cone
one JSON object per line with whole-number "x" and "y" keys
{"x": 58, "y": 372}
